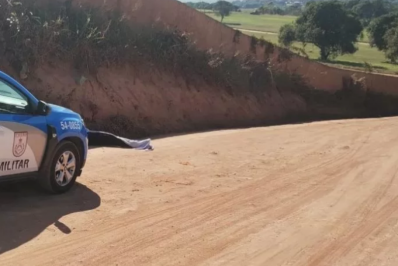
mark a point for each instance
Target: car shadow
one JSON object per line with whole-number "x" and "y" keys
{"x": 25, "y": 211}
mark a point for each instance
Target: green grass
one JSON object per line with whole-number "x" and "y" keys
{"x": 243, "y": 20}
{"x": 364, "y": 54}
{"x": 265, "y": 23}
{"x": 269, "y": 25}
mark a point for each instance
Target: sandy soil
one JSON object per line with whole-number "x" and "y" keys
{"x": 312, "y": 194}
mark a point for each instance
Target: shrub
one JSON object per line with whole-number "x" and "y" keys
{"x": 93, "y": 38}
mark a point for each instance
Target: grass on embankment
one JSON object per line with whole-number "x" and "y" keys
{"x": 89, "y": 39}
{"x": 267, "y": 27}
{"x": 364, "y": 55}
{"x": 265, "y": 23}
{"x": 243, "y": 20}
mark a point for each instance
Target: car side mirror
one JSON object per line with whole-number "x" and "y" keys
{"x": 42, "y": 108}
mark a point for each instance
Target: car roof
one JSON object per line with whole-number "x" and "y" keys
{"x": 6, "y": 77}
{"x": 19, "y": 86}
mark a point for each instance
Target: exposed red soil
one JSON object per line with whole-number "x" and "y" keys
{"x": 305, "y": 195}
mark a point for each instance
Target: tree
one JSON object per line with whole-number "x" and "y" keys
{"x": 269, "y": 9}
{"x": 330, "y": 27}
{"x": 378, "y": 28}
{"x": 223, "y": 9}
{"x": 367, "y": 10}
{"x": 350, "y": 4}
{"x": 287, "y": 35}
{"x": 200, "y": 5}
{"x": 383, "y": 33}
{"x": 294, "y": 10}
{"x": 391, "y": 38}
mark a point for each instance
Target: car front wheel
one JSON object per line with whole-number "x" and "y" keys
{"x": 59, "y": 174}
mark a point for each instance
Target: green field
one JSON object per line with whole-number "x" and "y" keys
{"x": 243, "y": 20}
{"x": 364, "y": 54}
{"x": 267, "y": 27}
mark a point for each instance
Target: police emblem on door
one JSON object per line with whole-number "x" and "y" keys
{"x": 20, "y": 143}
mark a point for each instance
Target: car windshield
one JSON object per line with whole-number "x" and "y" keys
{"x": 11, "y": 101}
{"x": 7, "y": 91}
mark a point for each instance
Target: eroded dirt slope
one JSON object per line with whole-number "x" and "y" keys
{"x": 316, "y": 194}
{"x": 210, "y": 34}
{"x": 134, "y": 102}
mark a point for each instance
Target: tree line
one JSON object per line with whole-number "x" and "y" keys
{"x": 335, "y": 27}
{"x": 220, "y": 8}
{"x": 272, "y": 9}
{"x": 201, "y": 5}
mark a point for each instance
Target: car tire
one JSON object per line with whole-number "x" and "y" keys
{"x": 49, "y": 176}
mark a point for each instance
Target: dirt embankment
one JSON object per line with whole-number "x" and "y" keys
{"x": 210, "y": 34}
{"x": 147, "y": 99}
{"x": 145, "y": 102}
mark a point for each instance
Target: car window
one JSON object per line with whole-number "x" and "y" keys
{"x": 11, "y": 100}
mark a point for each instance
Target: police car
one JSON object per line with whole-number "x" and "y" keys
{"x": 38, "y": 140}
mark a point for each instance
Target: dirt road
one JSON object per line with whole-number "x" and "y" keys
{"x": 312, "y": 194}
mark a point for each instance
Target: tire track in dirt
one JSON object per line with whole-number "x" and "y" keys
{"x": 365, "y": 211}
{"x": 227, "y": 202}
{"x": 321, "y": 165}
{"x": 346, "y": 243}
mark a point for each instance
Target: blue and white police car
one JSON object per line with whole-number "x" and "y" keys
{"x": 38, "y": 140}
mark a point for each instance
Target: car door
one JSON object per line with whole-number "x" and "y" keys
{"x": 23, "y": 135}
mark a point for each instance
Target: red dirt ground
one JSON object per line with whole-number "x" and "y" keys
{"x": 312, "y": 194}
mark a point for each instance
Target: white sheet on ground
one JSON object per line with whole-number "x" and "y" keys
{"x": 138, "y": 144}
